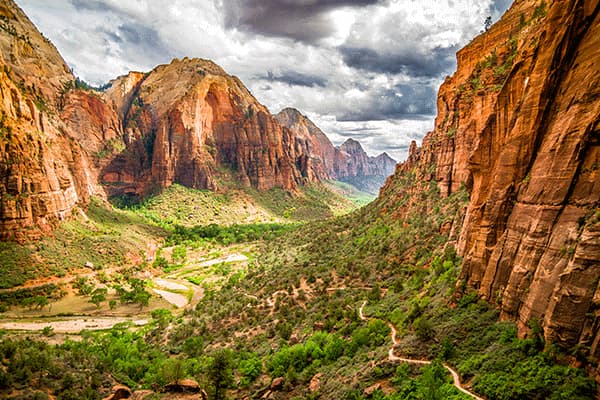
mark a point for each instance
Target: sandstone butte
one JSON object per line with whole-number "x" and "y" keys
{"x": 346, "y": 162}
{"x": 184, "y": 122}
{"x": 518, "y": 126}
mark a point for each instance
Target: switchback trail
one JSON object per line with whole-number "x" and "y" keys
{"x": 393, "y": 357}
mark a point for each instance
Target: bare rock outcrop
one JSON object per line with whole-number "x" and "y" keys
{"x": 43, "y": 170}
{"x": 186, "y": 120}
{"x": 365, "y": 172}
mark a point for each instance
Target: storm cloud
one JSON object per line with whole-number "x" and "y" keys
{"x": 302, "y": 20}
{"x": 294, "y": 78}
{"x": 400, "y": 101}
{"x": 431, "y": 64}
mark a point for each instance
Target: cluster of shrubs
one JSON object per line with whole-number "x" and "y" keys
{"x": 227, "y": 234}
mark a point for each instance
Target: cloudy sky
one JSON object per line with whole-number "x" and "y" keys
{"x": 367, "y": 69}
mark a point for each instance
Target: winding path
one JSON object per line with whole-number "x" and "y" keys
{"x": 393, "y": 357}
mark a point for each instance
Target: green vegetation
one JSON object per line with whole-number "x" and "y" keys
{"x": 349, "y": 191}
{"x": 115, "y": 145}
{"x": 104, "y": 238}
{"x": 280, "y": 279}
{"x": 491, "y": 72}
{"x": 315, "y": 202}
{"x": 179, "y": 205}
{"x": 137, "y": 294}
{"x": 310, "y": 329}
{"x": 540, "y": 10}
{"x": 225, "y": 234}
{"x": 14, "y": 265}
{"x": 80, "y": 84}
{"x": 291, "y": 312}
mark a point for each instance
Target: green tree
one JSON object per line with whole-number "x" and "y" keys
{"x": 424, "y": 328}
{"x": 162, "y": 316}
{"x": 179, "y": 254}
{"x": 488, "y": 22}
{"x": 41, "y": 302}
{"x": 250, "y": 369}
{"x": 220, "y": 374}
{"x": 334, "y": 348}
{"x": 98, "y": 296}
{"x": 193, "y": 346}
{"x": 284, "y": 329}
{"x": 432, "y": 380}
{"x": 142, "y": 298}
{"x": 172, "y": 370}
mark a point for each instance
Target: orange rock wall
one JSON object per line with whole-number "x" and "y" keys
{"x": 519, "y": 126}
{"x": 186, "y": 120}
{"x": 43, "y": 170}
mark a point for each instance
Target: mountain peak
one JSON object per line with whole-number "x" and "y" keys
{"x": 291, "y": 111}
{"x": 386, "y": 156}
{"x": 208, "y": 66}
{"x": 351, "y": 146}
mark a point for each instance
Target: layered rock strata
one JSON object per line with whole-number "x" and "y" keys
{"x": 43, "y": 170}
{"x": 518, "y": 126}
{"x": 187, "y": 122}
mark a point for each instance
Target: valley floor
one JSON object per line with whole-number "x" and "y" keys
{"x": 275, "y": 311}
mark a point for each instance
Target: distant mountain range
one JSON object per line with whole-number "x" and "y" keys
{"x": 348, "y": 162}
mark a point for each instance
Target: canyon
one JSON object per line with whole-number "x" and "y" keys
{"x": 347, "y": 162}
{"x": 517, "y": 132}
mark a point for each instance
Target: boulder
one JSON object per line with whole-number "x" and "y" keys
{"x": 183, "y": 385}
{"x": 119, "y": 392}
{"x": 277, "y": 383}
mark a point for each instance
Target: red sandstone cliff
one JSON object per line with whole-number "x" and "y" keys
{"x": 519, "y": 125}
{"x": 349, "y": 162}
{"x": 312, "y": 145}
{"x": 43, "y": 170}
{"x": 186, "y": 120}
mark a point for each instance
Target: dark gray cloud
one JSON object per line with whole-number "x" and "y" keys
{"x": 393, "y": 147}
{"x": 138, "y": 41}
{"x": 93, "y": 5}
{"x": 433, "y": 64}
{"x": 294, "y": 78}
{"x": 141, "y": 35}
{"x": 302, "y": 20}
{"x": 401, "y": 101}
{"x": 356, "y": 135}
{"x": 129, "y": 30}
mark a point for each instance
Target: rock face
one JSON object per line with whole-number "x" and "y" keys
{"x": 185, "y": 120}
{"x": 312, "y": 146}
{"x": 349, "y": 162}
{"x": 364, "y": 172}
{"x": 43, "y": 170}
{"x": 518, "y": 125}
